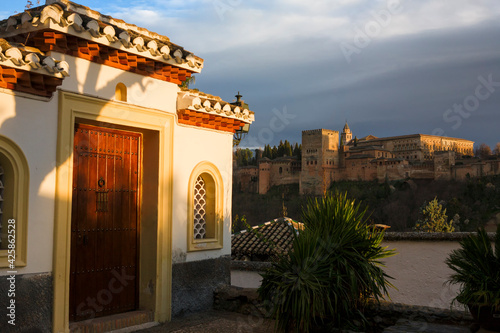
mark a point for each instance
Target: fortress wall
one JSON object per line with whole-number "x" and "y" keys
{"x": 264, "y": 177}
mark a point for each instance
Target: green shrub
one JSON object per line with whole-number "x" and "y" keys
{"x": 332, "y": 269}
{"x": 434, "y": 218}
{"x": 476, "y": 267}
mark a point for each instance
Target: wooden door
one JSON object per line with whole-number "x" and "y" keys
{"x": 104, "y": 222}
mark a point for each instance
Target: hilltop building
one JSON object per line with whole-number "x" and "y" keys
{"x": 329, "y": 156}
{"x": 115, "y": 181}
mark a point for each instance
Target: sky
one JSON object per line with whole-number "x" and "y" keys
{"x": 387, "y": 67}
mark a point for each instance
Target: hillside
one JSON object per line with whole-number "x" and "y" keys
{"x": 396, "y": 204}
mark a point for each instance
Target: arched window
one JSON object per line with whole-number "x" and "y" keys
{"x": 281, "y": 170}
{"x": 205, "y": 208}
{"x": 121, "y": 92}
{"x": 14, "y": 189}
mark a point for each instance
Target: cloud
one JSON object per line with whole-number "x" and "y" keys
{"x": 286, "y": 53}
{"x": 139, "y": 16}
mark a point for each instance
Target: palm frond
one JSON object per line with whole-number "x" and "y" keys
{"x": 476, "y": 267}
{"x": 333, "y": 266}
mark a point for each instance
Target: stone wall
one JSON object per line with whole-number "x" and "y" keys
{"x": 246, "y": 274}
{"x": 194, "y": 283}
{"x": 418, "y": 269}
{"x": 283, "y": 172}
{"x": 319, "y": 154}
{"x": 381, "y": 315}
{"x": 247, "y": 179}
{"x": 264, "y": 177}
{"x": 33, "y": 303}
{"x": 475, "y": 168}
{"x": 324, "y": 161}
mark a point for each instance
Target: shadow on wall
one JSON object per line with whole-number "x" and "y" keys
{"x": 34, "y": 127}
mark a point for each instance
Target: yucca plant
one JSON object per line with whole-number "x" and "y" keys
{"x": 333, "y": 267}
{"x": 476, "y": 267}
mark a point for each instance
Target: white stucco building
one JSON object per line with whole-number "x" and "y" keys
{"x": 117, "y": 181}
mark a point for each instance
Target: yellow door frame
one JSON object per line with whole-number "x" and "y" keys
{"x": 75, "y": 106}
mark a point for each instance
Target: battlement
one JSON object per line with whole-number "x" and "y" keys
{"x": 320, "y": 131}
{"x": 327, "y": 158}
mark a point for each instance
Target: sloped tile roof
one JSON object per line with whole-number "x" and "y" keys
{"x": 265, "y": 240}
{"x": 201, "y": 102}
{"x": 31, "y": 59}
{"x": 73, "y": 19}
{"x": 28, "y": 70}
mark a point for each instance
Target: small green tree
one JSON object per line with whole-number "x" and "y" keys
{"x": 274, "y": 152}
{"x": 188, "y": 82}
{"x": 434, "y": 218}
{"x": 239, "y": 224}
{"x": 483, "y": 151}
{"x": 332, "y": 269}
{"x": 496, "y": 151}
{"x": 297, "y": 151}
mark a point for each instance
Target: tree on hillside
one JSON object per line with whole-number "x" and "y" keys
{"x": 483, "y": 151}
{"x": 434, "y": 218}
{"x": 287, "y": 149}
{"x": 496, "y": 151}
{"x": 283, "y": 149}
{"x": 267, "y": 152}
{"x": 297, "y": 151}
{"x": 244, "y": 157}
{"x": 274, "y": 152}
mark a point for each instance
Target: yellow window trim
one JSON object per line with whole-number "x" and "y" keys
{"x": 15, "y": 156}
{"x": 206, "y": 243}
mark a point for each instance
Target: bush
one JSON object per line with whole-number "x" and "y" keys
{"x": 434, "y": 219}
{"x": 476, "y": 269}
{"x": 331, "y": 270}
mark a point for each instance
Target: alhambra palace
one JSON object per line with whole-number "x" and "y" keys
{"x": 328, "y": 157}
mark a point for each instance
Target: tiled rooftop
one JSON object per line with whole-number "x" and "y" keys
{"x": 73, "y": 19}
{"x": 264, "y": 241}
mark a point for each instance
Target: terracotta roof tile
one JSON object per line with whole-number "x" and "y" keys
{"x": 31, "y": 59}
{"x": 201, "y": 102}
{"x": 265, "y": 240}
{"x": 77, "y": 20}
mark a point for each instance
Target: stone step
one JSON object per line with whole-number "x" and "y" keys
{"x": 112, "y": 323}
{"x": 408, "y": 326}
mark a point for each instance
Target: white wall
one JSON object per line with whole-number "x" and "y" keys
{"x": 245, "y": 279}
{"x": 100, "y": 81}
{"x": 32, "y": 125}
{"x": 419, "y": 271}
{"x": 192, "y": 146}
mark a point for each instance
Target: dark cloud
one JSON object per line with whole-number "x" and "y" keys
{"x": 398, "y": 85}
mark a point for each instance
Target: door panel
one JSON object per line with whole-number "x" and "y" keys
{"x": 104, "y": 223}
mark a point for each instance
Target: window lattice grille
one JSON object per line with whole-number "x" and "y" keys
{"x": 200, "y": 204}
